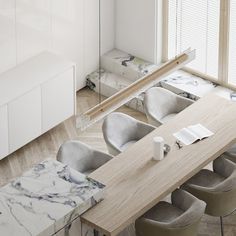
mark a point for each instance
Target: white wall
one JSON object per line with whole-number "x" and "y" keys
{"x": 108, "y": 25}
{"x": 68, "y": 27}
{"x": 136, "y": 29}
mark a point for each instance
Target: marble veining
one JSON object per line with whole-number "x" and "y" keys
{"x": 193, "y": 87}
{"x": 125, "y": 60}
{"x": 45, "y": 199}
{"x": 107, "y": 79}
{"x": 136, "y": 64}
{"x": 187, "y": 85}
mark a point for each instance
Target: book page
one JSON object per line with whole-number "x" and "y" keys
{"x": 192, "y": 133}
{"x": 185, "y": 136}
{"x": 200, "y": 131}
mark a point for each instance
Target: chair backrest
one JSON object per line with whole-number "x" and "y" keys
{"x": 227, "y": 169}
{"x": 193, "y": 208}
{"x": 231, "y": 153}
{"x": 220, "y": 197}
{"x": 186, "y": 224}
{"x": 159, "y": 102}
{"x": 119, "y": 128}
{"x": 76, "y": 155}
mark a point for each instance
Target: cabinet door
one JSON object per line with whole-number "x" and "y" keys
{"x": 3, "y": 132}
{"x": 58, "y": 100}
{"x": 24, "y": 119}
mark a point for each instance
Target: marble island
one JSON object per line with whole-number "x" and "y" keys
{"x": 46, "y": 200}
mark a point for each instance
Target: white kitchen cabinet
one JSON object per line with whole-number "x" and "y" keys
{"x": 57, "y": 99}
{"x": 35, "y": 96}
{"x": 24, "y": 119}
{"x": 3, "y": 131}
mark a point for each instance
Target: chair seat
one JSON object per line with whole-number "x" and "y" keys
{"x": 168, "y": 117}
{"x": 206, "y": 178}
{"x": 164, "y": 212}
{"x": 127, "y": 145}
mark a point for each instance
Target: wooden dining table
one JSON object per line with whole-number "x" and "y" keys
{"x": 135, "y": 182}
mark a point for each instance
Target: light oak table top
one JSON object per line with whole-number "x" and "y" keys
{"x": 135, "y": 183}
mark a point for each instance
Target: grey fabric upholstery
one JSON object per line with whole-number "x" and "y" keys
{"x": 181, "y": 217}
{"x": 81, "y": 157}
{"x": 120, "y": 131}
{"x": 161, "y": 105}
{"x": 231, "y": 154}
{"x": 217, "y": 188}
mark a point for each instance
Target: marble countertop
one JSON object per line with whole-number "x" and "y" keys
{"x": 45, "y": 199}
{"x": 193, "y": 87}
{"x": 189, "y": 83}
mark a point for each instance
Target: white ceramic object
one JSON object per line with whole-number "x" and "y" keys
{"x": 158, "y": 148}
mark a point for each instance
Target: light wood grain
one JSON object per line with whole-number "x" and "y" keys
{"x": 135, "y": 182}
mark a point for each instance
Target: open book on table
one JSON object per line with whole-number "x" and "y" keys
{"x": 192, "y": 134}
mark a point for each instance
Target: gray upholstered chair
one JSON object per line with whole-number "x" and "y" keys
{"x": 161, "y": 105}
{"x": 81, "y": 157}
{"x": 231, "y": 154}
{"x": 120, "y": 131}
{"x": 181, "y": 217}
{"x": 217, "y": 188}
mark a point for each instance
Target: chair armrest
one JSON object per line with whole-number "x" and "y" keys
{"x": 218, "y": 202}
{"x": 193, "y": 208}
{"x": 223, "y": 166}
{"x": 149, "y": 227}
{"x": 182, "y": 199}
{"x": 153, "y": 118}
{"x": 100, "y": 158}
{"x": 143, "y": 129}
{"x": 183, "y": 103}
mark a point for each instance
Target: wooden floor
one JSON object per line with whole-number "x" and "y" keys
{"x": 47, "y": 145}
